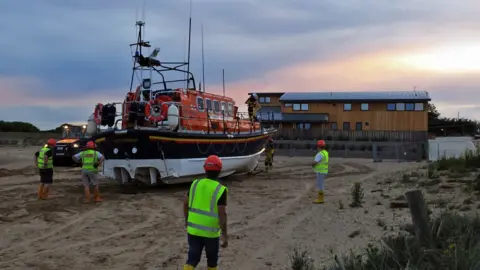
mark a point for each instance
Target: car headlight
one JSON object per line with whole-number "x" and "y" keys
{"x": 46, "y": 145}
{"x": 75, "y": 145}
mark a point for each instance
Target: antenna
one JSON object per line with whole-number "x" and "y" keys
{"x": 189, "y": 43}
{"x": 223, "y": 80}
{"x": 203, "y": 65}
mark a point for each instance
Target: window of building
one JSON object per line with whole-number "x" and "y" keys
{"x": 347, "y": 107}
{"x": 391, "y": 107}
{"x": 346, "y": 125}
{"x": 216, "y": 106}
{"x": 200, "y": 104}
{"x": 333, "y": 126}
{"x": 364, "y": 107}
{"x": 288, "y": 104}
{"x": 267, "y": 99}
{"x": 303, "y": 125}
{"x": 223, "y": 107}
{"x": 230, "y": 109}
{"x": 304, "y": 107}
{"x": 300, "y": 107}
{"x": 296, "y": 107}
{"x": 209, "y": 104}
{"x": 358, "y": 126}
{"x": 400, "y": 107}
{"x": 262, "y": 99}
{"x": 410, "y": 106}
{"x": 418, "y": 106}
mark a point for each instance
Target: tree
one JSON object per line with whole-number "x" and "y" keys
{"x": 432, "y": 112}
{"x": 442, "y": 126}
{"x": 17, "y": 126}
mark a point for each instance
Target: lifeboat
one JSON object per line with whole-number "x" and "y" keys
{"x": 167, "y": 132}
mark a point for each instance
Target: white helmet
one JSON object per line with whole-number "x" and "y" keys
{"x": 255, "y": 96}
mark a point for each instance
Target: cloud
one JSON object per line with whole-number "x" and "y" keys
{"x": 76, "y": 52}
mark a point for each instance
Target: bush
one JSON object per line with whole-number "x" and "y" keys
{"x": 468, "y": 161}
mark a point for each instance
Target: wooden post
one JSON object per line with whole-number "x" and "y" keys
{"x": 418, "y": 211}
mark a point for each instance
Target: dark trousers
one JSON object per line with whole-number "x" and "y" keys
{"x": 195, "y": 248}
{"x": 46, "y": 176}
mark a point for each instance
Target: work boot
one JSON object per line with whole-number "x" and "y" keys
{"x": 320, "y": 198}
{"x": 188, "y": 267}
{"x": 87, "y": 195}
{"x": 211, "y": 268}
{"x": 96, "y": 194}
{"x": 40, "y": 191}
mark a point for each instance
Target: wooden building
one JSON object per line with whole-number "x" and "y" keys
{"x": 399, "y": 111}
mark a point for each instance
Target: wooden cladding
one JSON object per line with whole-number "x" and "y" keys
{"x": 374, "y": 116}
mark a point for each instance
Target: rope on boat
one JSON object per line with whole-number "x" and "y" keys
{"x": 218, "y": 152}
{"x": 200, "y": 150}
{"x": 244, "y": 147}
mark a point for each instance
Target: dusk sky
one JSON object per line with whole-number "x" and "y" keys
{"x": 61, "y": 57}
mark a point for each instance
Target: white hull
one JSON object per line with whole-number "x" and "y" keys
{"x": 173, "y": 171}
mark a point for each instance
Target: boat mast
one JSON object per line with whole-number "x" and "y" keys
{"x": 203, "y": 66}
{"x": 189, "y": 43}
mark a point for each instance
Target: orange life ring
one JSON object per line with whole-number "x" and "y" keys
{"x": 97, "y": 114}
{"x": 148, "y": 111}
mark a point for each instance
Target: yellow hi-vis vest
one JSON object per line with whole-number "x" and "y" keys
{"x": 202, "y": 208}
{"x": 89, "y": 159}
{"x": 40, "y": 162}
{"x": 322, "y": 167}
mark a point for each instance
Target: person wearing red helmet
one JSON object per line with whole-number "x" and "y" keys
{"x": 90, "y": 159}
{"x": 44, "y": 163}
{"x": 269, "y": 150}
{"x": 205, "y": 214}
{"x": 320, "y": 167}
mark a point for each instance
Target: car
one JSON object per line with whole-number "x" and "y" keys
{"x": 73, "y": 140}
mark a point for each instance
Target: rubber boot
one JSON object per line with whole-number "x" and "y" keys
{"x": 188, "y": 267}
{"x": 96, "y": 194}
{"x": 320, "y": 198}
{"x": 211, "y": 268}
{"x": 87, "y": 195}
{"x": 40, "y": 191}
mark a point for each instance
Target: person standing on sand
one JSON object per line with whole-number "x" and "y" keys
{"x": 320, "y": 167}
{"x": 90, "y": 159}
{"x": 205, "y": 214}
{"x": 269, "y": 150}
{"x": 44, "y": 163}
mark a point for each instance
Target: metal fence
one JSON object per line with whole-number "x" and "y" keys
{"x": 351, "y": 135}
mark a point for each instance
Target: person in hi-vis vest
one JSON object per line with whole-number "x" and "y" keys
{"x": 90, "y": 159}
{"x": 44, "y": 163}
{"x": 206, "y": 216}
{"x": 320, "y": 167}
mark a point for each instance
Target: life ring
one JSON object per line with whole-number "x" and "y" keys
{"x": 97, "y": 114}
{"x": 151, "y": 115}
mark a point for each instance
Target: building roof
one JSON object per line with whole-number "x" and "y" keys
{"x": 358, "y": 96}
{"x": 262, "y": 94}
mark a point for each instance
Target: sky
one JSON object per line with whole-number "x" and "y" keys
{"x": 61, "y": 57}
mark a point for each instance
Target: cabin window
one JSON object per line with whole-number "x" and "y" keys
{"x": 347, "y": 107}
{"x": 391, "y": 107}
{"x": 410, "y": 106}
{"x": 418, "y": 106}
{"x": 333, "y": 126}
{"x": 303, "y": 125}
{"x": 346, "y": 125}
{"x": 358, "y": 126}
{"x": 216, "y": 106}
{"x": 230, "y": 109}
{"x": 209, "y": 104}
{"x": 400, "y": 107}
{"x": 200, "y": 104}
{"x": 223, "y": 107}
{"x": 364, "y": 107}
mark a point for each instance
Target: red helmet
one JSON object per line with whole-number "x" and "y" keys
{"x": 270, "y": 139}
{"x": 90, "y": 145}
{"x": 213, "y": 163}
{"x": 52, "y": 142}
{"x": 321, "y": 143}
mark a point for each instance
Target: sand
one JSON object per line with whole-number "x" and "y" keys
{"x": 139, "y": 228}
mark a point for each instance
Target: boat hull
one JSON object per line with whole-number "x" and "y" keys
{"x": 155, "y": 157}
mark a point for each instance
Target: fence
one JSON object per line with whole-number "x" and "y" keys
{"x": 399, "y": 151}
{"x": 353, "y": 135}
